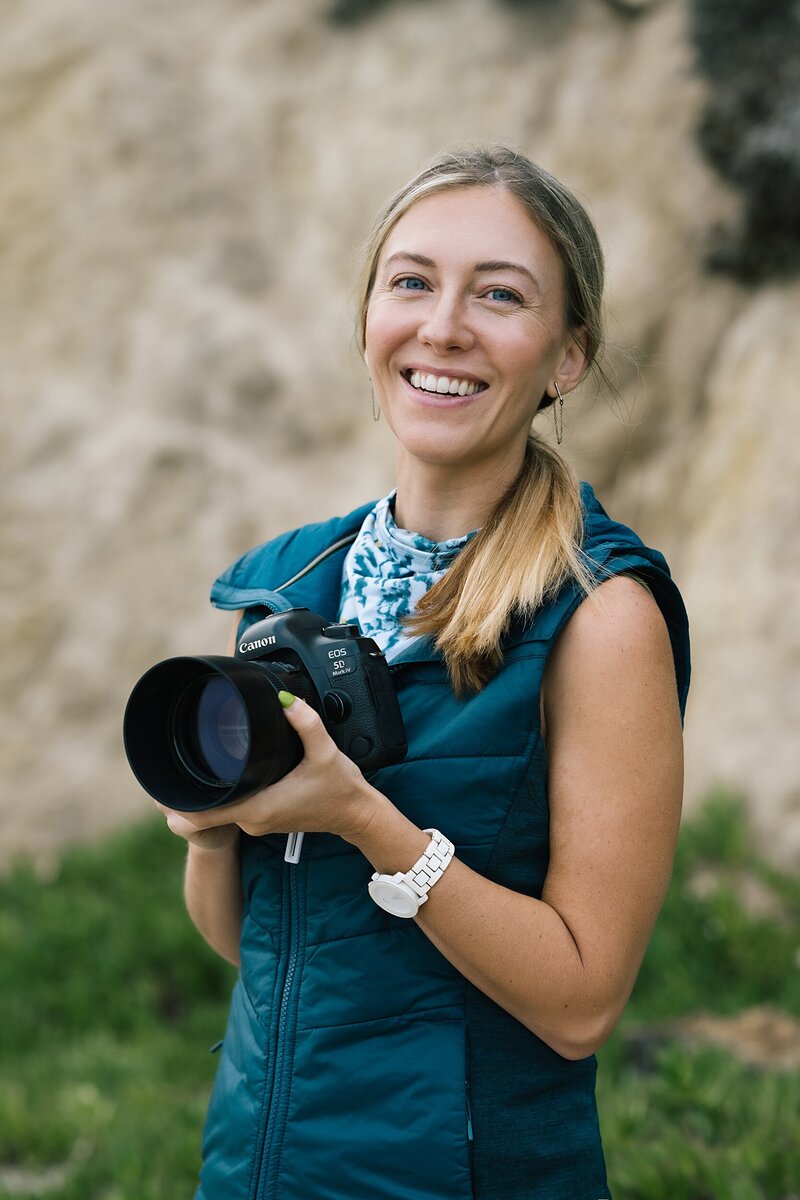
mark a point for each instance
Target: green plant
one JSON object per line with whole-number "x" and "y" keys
{"x": 109, "y": 1002}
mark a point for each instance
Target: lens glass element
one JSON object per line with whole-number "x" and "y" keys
{"x": 222, "y": 730}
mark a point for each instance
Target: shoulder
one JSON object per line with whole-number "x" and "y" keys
{"x": 618, "y": 615}
{"x": 614, "y": 652}
{"x": 614, "y": 550}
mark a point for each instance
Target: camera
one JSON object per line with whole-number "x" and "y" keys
{"x": 201, "y": 732}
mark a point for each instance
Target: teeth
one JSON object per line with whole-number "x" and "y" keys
{"x": 443, "y": 384}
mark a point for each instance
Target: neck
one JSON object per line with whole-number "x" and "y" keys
{"x": 441, "y": 501}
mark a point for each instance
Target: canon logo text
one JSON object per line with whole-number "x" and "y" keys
{"x": 246, "y": 647}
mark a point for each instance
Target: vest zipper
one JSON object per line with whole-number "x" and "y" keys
{"x": 470, "y": 1133}
{"x": 274, "y": 1120}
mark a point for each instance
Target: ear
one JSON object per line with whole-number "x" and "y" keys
{"x": 573, "y": 364}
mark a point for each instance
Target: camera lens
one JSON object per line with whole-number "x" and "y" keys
{"x": 212, "y": 732}
{"x": 200, "y": 732}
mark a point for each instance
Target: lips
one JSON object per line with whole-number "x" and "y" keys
{"x": 443, "y": 385}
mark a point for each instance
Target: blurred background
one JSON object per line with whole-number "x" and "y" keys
{"x": 185, "y": 188}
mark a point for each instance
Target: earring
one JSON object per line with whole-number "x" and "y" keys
{"x": 376, "y": 408}
{"x": 558, "y": 416}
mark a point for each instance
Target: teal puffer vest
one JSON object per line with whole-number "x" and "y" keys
{"x": 357, "y": 1063}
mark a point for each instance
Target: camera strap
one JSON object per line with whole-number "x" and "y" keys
{"x": 326, "y": 553}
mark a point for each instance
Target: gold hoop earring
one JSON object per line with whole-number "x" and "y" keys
{"x": 558, "y": 416}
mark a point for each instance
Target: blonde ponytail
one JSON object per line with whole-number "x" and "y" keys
{"x": 527, "y": 550}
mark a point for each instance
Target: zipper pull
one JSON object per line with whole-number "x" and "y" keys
{"x": 469, "y": 1115}
{"x": 294, "y": 846}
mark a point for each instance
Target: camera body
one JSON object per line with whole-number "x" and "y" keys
{"x": 351, "y": 687}
{"x": 201, "y": 732}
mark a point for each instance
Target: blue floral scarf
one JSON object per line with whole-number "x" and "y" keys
{"x": 386, "y": 572}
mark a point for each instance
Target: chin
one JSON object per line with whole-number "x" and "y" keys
{"x": 442, "y": 456}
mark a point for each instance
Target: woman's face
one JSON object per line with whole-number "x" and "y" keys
{"x": 465, "y": 327}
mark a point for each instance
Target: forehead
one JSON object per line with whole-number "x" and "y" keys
{"x": 469, "y": 225}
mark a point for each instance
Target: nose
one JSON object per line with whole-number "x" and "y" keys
{"x": 446, "y": 325}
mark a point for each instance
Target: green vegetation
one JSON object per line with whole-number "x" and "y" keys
{"x": 109, "y": 1003}
{"x": 692, "y": 1123}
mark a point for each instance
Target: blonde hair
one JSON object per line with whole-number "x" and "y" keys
{"x": 530, "y": 546}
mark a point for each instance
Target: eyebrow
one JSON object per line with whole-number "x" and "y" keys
{"x": 480, "y": 268}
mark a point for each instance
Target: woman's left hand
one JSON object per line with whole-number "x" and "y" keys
{"x": 325, "y": 792}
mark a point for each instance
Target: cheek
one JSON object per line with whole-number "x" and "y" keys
{"x": 373, "y": 340}
{"x": 387, "y": 328}
{"x": 529, "y": 359}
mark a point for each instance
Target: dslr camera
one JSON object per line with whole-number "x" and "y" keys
{"x": 201, "y": 732}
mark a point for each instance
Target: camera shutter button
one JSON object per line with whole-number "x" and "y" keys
{"x": 341, "y": 631}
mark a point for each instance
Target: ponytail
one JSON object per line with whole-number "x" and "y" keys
{"x": 527, "y": 550}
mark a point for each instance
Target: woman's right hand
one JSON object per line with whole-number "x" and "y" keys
{"x": 216, "y": 837}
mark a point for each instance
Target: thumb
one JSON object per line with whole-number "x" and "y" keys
{"x": 306, "y": 723}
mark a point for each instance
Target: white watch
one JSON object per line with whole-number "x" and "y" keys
{"x": 403, "y": 893}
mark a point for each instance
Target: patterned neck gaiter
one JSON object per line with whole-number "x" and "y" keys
{"x": 386, "y": 571}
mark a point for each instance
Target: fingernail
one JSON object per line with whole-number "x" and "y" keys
{"x": 286, "y": 699}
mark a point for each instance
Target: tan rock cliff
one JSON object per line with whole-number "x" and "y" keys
{"x": 183, "y": 189}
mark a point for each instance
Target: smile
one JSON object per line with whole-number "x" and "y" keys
{"x": 443, "y": 385}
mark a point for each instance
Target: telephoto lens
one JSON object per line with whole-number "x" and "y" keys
{"x": 200, "y": 732}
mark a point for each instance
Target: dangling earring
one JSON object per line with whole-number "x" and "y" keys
{"x": 558, "y": 417}
{"x": 376, "y": 408}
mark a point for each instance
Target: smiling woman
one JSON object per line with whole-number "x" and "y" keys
{"x": 422, "y": 990}
{"x": 505, "y": 304}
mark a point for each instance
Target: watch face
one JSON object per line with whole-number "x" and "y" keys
{"x": 394, "y": 897}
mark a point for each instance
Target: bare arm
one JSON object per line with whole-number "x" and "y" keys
{"x": 565, "y": 965}
{"x": 212, "y": 890}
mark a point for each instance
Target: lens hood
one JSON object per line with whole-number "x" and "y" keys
{"x": 162, "y": 748}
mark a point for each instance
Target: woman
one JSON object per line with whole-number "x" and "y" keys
{"x": 449, "y": 1053}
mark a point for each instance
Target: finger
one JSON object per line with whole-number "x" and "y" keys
{"x": 221, "y": 837}
{"x": 308, "y": 725}
{"x": 179, "y": 825}
{"x": 206, "y": 819}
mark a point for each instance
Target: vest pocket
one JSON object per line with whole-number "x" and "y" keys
{"x": 380, "y": 1108}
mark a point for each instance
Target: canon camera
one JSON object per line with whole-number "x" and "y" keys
{"x": 200, "y": 732}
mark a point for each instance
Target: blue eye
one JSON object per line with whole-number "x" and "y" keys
{"x": 411, "y": 283}
{"x": 503, "y": 295}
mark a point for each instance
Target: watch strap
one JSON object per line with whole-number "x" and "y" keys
{"x": 431, "y": 865}
{"x": 414, "y": 884}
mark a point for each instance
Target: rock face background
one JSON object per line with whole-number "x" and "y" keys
{"x": 183, "y": 191}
